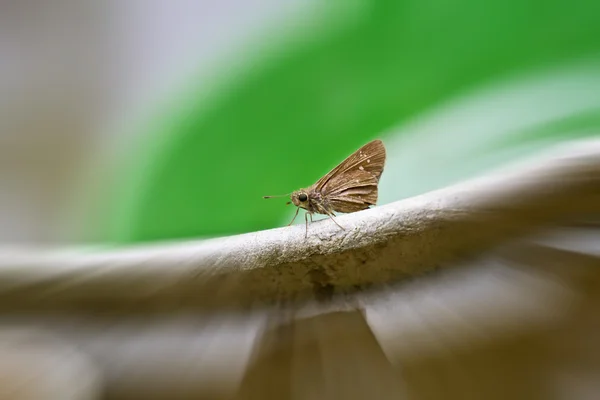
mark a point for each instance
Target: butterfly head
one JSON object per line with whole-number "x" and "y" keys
{"x": 300, "y": 198}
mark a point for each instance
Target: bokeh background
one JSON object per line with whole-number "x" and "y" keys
{"x": 134, "y": 121}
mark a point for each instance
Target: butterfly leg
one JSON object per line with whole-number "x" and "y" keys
{"x": 306, "y": 214}
{"x": 330, "y": 215}
{"x": 295, "y": 215}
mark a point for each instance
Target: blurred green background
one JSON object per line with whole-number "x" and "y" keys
{"x": 453, "y": 88}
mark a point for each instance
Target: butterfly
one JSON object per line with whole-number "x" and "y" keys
{"x": 349, "y": 187}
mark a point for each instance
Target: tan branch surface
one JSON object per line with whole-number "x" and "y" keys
{"x": 386, "y": 244}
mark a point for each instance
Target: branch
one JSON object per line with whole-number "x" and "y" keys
{"x": 386, "y": 244}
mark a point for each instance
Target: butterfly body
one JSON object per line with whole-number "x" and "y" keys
{"x": 349, "y": 187}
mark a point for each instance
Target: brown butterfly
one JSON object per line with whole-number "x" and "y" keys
{"x": 349, "y": 187}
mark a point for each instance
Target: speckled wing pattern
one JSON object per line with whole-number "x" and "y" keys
{"x": 352, "y": 185}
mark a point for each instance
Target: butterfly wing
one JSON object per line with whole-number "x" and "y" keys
{"x": 352, "y": 185}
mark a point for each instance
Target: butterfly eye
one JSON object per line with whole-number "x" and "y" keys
{"x": 302, "y": 197}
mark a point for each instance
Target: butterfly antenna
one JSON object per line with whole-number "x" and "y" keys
{"x": 279, "y": 195}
